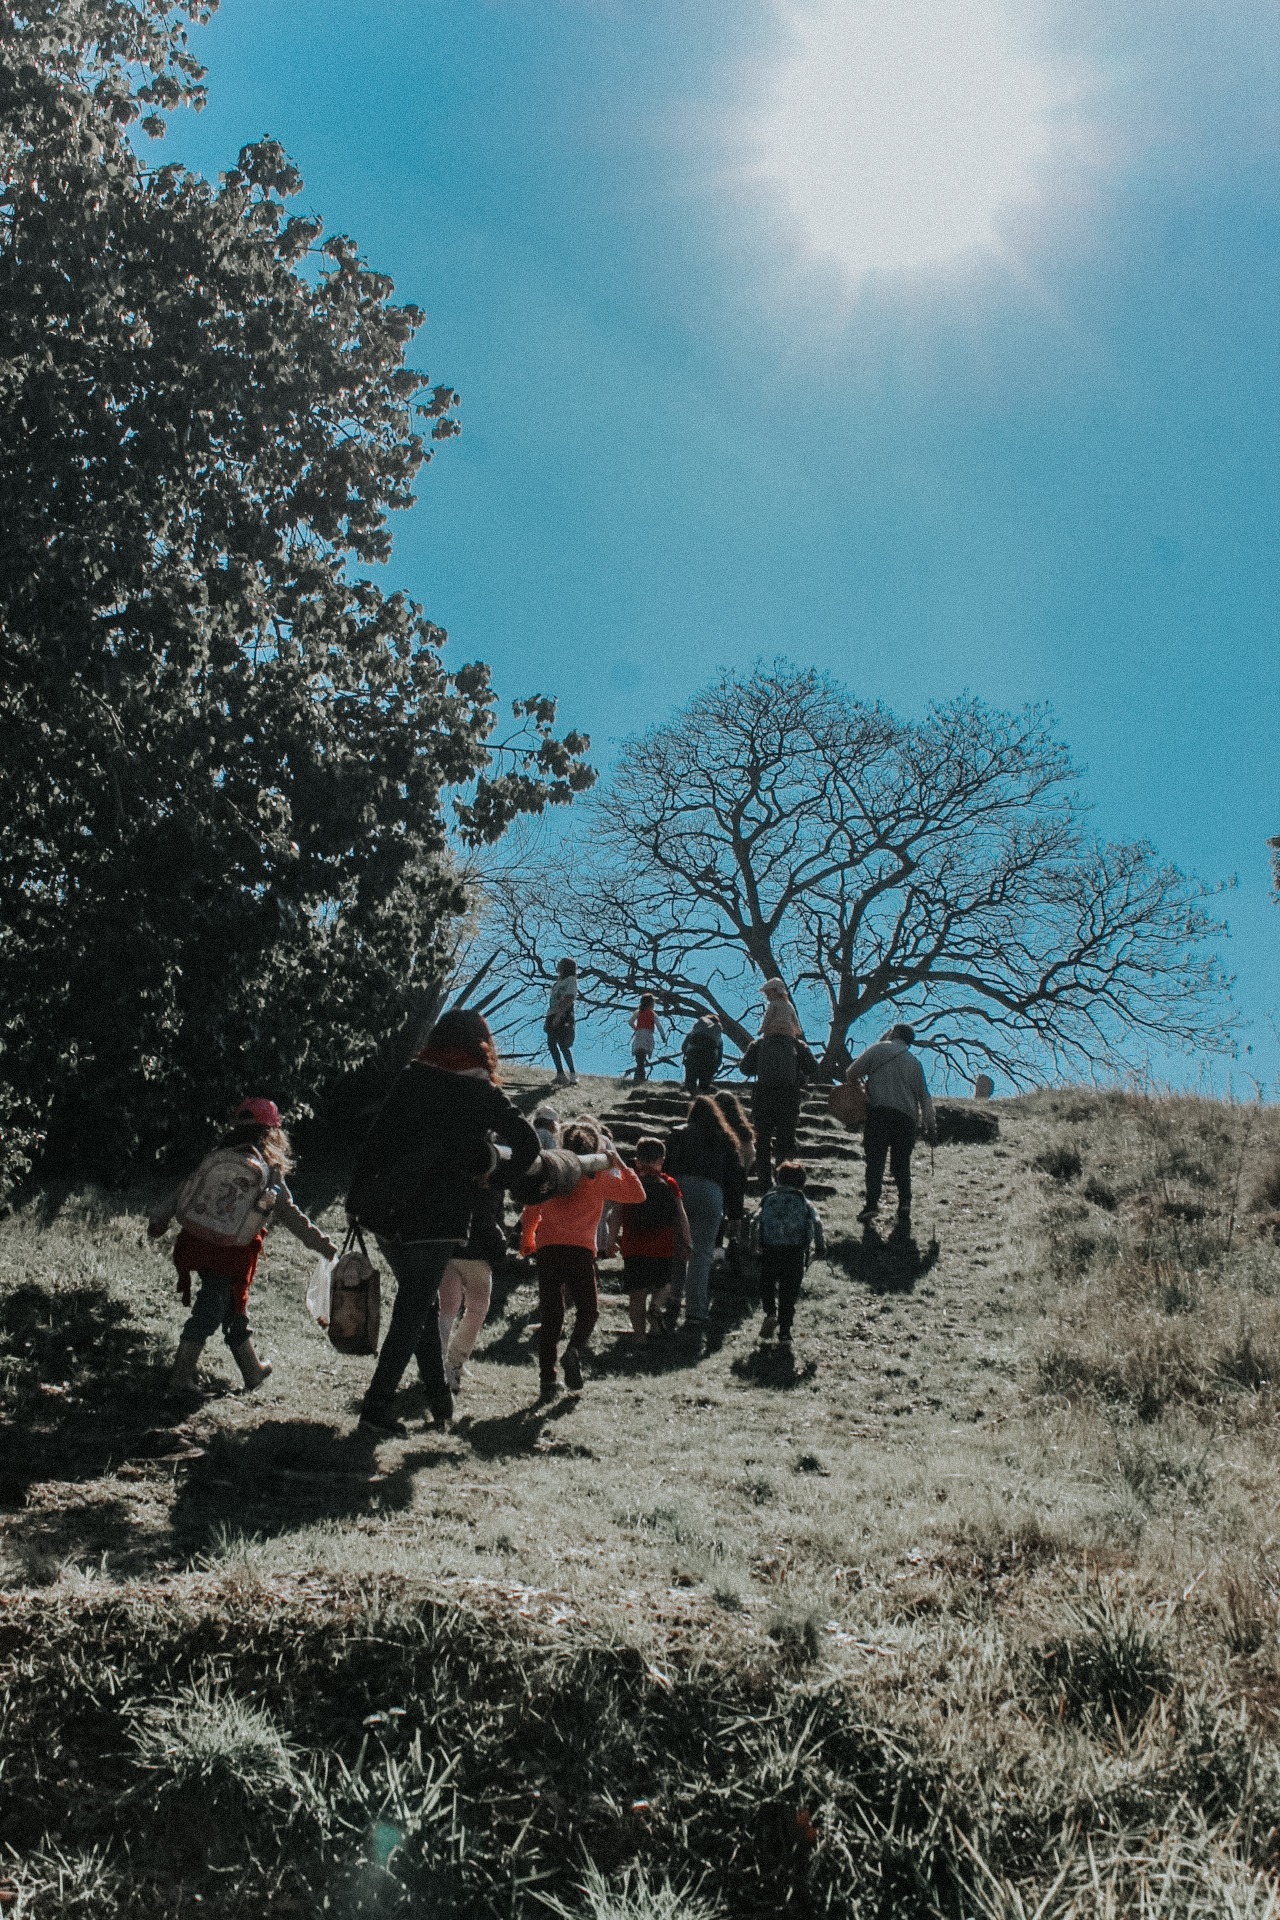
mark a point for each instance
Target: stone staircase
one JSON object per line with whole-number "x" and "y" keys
{"x": 659, "y": 1106}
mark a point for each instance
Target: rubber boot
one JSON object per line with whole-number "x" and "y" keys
{"x": 182, "y": 1374}
{"x": 252, "y": 1370}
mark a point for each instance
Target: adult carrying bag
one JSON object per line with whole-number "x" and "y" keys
{"x": 848, "y": 1103}
{"x": 355, "y": 1298}
{"x": 228, "y": 1199}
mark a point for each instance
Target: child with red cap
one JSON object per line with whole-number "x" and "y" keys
{"x": 224, "y": 1210}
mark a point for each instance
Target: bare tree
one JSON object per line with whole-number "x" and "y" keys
{"x": 779, "y": 826}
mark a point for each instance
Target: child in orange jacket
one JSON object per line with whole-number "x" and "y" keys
{"x": 561, "y": 1234}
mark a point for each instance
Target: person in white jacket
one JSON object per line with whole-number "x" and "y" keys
{"x": 898, "y": 1106}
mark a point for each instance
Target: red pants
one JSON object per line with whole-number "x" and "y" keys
{"x": 565, "y": 1274}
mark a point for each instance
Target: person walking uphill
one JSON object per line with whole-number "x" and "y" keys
{"x": 703, "y": 1159}
{"x": 416, "y": 1186}
{"x": 702, "y": 1051}
{"x": 779, "y": 1064}
{"x": 561, "y": 1022}
{"x": 561, "y": 1234}
{"x": 224, "y": 1211}
{"x": 897, "y": 1104}
{"x": 787, "y": 1231}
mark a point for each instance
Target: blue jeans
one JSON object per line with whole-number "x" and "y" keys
{"x": 418, "y": 1266}
{"x": 704, "y": 1204}
{"x": 211, "y": 1309}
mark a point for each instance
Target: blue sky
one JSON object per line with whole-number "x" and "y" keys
{"x": 934, "y": 342}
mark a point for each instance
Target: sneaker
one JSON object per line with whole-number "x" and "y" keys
{"x": 548, "y": 1390}
{"x": 869, "y": 1213}
{"x": 441, "y": 1409}
{"x": 572, "y": 1081}
{"x": 571, "y": 1361}
{"x": 768, "y": 1326}
{"x": 382, "y": 1421}
{"x": 453, "y": 1378}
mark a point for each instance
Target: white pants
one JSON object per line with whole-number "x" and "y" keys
{"x": 465, "y": 1285}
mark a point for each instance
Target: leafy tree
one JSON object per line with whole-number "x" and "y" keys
{"x": 942, "y": 867}
{"x": 224, "y": 752}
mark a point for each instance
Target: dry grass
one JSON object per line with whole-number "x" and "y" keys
{"x": 983, "y": 1582}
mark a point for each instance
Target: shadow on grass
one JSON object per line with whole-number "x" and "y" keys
{"x": 890, "y": 1263}
{"x": 85, "y": 1387}
{"x": 775, "y": 1367}
{"x": 502, "y": 1436}
{"x": 284, "y": 1475}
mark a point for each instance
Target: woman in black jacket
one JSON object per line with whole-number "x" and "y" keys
{"x": 415, "y": 1185}
{"x": 703, "y": 1159}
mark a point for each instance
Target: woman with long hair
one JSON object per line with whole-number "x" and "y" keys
{"x": 739, "y": 1125}
{"x": 735, "y": 1205}
{"x": 703, "y": 1157}
{"x": 417, "y": 1185}
{"x": 560, "y": 1024}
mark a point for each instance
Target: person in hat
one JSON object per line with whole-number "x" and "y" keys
{"x": 780, "y": 1017}
{"x": 224, "y": 1210}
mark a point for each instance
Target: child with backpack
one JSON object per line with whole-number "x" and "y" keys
{"x": 224, "y": 1210}
{"x": 787, "y": 1232}
{"x": 655, "y": 1233}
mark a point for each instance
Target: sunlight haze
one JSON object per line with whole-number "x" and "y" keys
{"x": 899, "y": 138}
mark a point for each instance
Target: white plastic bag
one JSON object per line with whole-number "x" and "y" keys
{"x": 319, "y": 1290}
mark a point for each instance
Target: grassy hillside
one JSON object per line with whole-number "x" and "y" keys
{"x": 966, "y": 1606}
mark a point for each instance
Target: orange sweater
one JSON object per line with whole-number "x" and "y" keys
{"x": 572, "y": 1219}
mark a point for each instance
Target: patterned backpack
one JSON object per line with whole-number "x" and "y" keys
{"x": 229, "y": 1197}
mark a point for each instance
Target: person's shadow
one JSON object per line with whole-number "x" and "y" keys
{"x": 885, "y": 1263}
{"x": 285, "y": 1475}
{"x": 773, "y": 1365}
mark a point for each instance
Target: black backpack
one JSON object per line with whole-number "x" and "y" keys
{"x": 656, "y": 1211}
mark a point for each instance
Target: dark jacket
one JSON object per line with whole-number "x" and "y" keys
{"x": 776, "y": 1060}
{"x": 717, "y": 1160}
{"x": 703, "y": 1043}
{"x": 416, "y": 1175}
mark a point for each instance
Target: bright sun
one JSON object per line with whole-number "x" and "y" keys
{"x": 898, "y": 136}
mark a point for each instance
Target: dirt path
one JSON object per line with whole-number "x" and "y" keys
{"x": 670, "y": 1476}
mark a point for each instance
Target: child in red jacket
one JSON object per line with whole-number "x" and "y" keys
{"x": 655, "y": 1232}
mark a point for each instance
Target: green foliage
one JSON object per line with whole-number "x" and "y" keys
{"x": 224, "y": 753}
